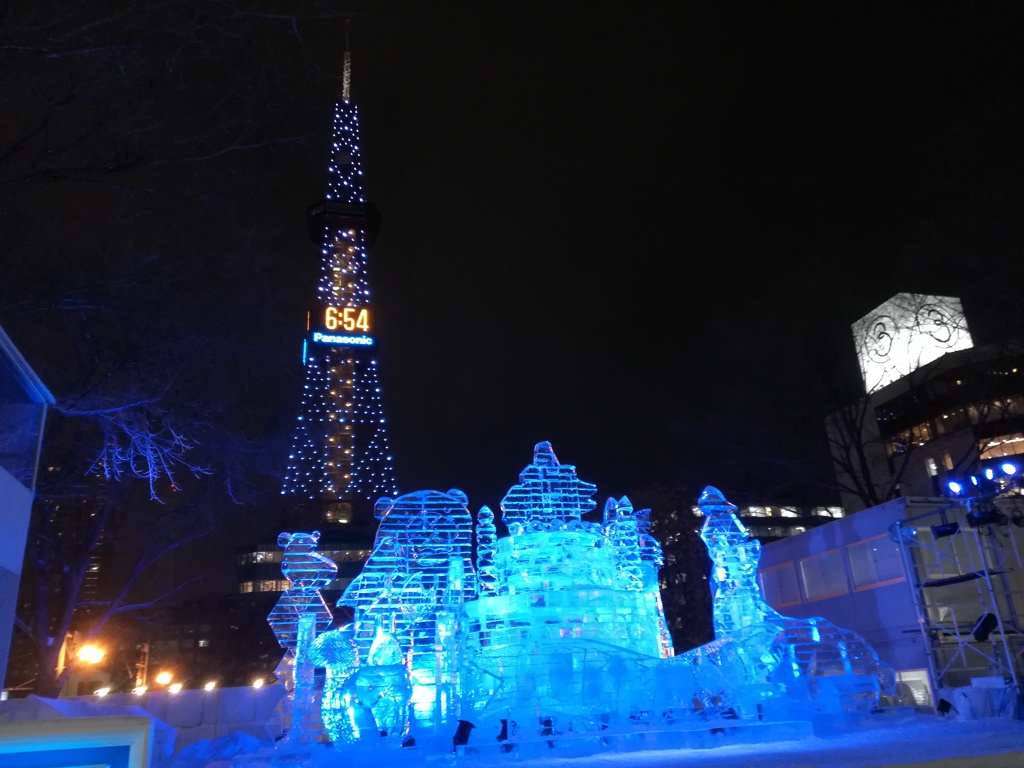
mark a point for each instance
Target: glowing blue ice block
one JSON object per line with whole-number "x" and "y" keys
{"x": 761, "y": 660}
{"x": 406, "y": 605}
{"x": 571, "y": 635}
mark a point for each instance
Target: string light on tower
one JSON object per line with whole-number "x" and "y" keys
{"x": 340, "y": 455}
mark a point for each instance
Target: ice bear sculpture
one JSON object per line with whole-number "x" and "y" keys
{"x": 307, "y": 572}
{"x": 406, "y": 603}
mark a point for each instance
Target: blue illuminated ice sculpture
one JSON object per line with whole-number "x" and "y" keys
{"x": 573, "y": 627}
{"x": 299, "y": 615}
{"x": 396, "y": 665}
{"x": 557, "y": 630}
{"x": 761, "y": 661}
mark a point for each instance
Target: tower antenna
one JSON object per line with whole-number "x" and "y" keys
{"x": 346, "y": 75}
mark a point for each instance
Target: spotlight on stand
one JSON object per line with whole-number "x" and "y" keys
{"x": 985, "y": 626}
{"x": 985, "y": 514}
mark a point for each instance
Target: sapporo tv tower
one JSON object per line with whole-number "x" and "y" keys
{"x": 340, "y": 462}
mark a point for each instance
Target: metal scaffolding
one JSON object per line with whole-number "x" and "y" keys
{"x": 965, "y": 563}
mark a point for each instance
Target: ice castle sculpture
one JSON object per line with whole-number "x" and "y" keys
{"x": 557, "y": 631}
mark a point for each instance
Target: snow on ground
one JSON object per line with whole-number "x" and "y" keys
{"x": 925, "y": 741}
{"x": 917, "y": 739}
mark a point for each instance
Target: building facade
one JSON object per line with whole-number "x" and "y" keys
{"x": 936, "y": 408}
{"x": 23, "y": 403}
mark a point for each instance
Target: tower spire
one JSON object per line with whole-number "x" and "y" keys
{"x": 346, "y": 74}
{"x": 340, "y": 462}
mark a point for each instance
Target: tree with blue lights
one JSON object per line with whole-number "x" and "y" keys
{"x": 125, "y": 248}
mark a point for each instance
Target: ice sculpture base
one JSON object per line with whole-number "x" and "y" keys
{"x": 708, "y": 736}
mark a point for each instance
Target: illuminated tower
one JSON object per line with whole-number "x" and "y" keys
{"x": 340, "y": 462}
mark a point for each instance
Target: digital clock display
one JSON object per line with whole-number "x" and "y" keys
{"x": 342, "y": 326}
{"x": 349, "y": 319}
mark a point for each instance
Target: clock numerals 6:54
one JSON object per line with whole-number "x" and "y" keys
{"x": 347, "y": 319}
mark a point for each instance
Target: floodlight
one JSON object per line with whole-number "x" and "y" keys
{"x": 986, "y": 515}
{"x": 946, "y": 529}
{"x": 985, "y": 626}
{"x": 1008, "y": 468}
{"x": 90, "y": 654}
{"x": 955, "y": 487}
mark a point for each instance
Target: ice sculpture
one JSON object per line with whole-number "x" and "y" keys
{"x": 307, "y": 572}
{"x": 336, "y": 652}
{"x": 559, "y": 631}
{"x": 574, "y": 628}
{"x": 406, "y": 606}
{"x": 299, "y": 615}
{"x": 761, "y": 660}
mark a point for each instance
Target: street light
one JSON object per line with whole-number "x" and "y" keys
{"x": 90, "y": 654}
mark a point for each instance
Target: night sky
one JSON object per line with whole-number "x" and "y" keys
{"x": 642, "y": 231}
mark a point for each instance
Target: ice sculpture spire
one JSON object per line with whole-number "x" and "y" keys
{"x": 298, "y": 616}
{"x": 486, "y": 535}
{"x": 549, "y": 495}
{"x": 737, "y": 600}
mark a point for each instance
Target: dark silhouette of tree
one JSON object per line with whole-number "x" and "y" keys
{"x": 140, "y": 289}
{"x": 685, "y": 589}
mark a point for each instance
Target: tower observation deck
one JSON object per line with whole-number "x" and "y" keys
{"x": 340, "y": 462}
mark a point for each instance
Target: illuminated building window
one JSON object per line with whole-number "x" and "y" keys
{"x": 1005, "y": 445}
{"x": 829, "y": 512}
